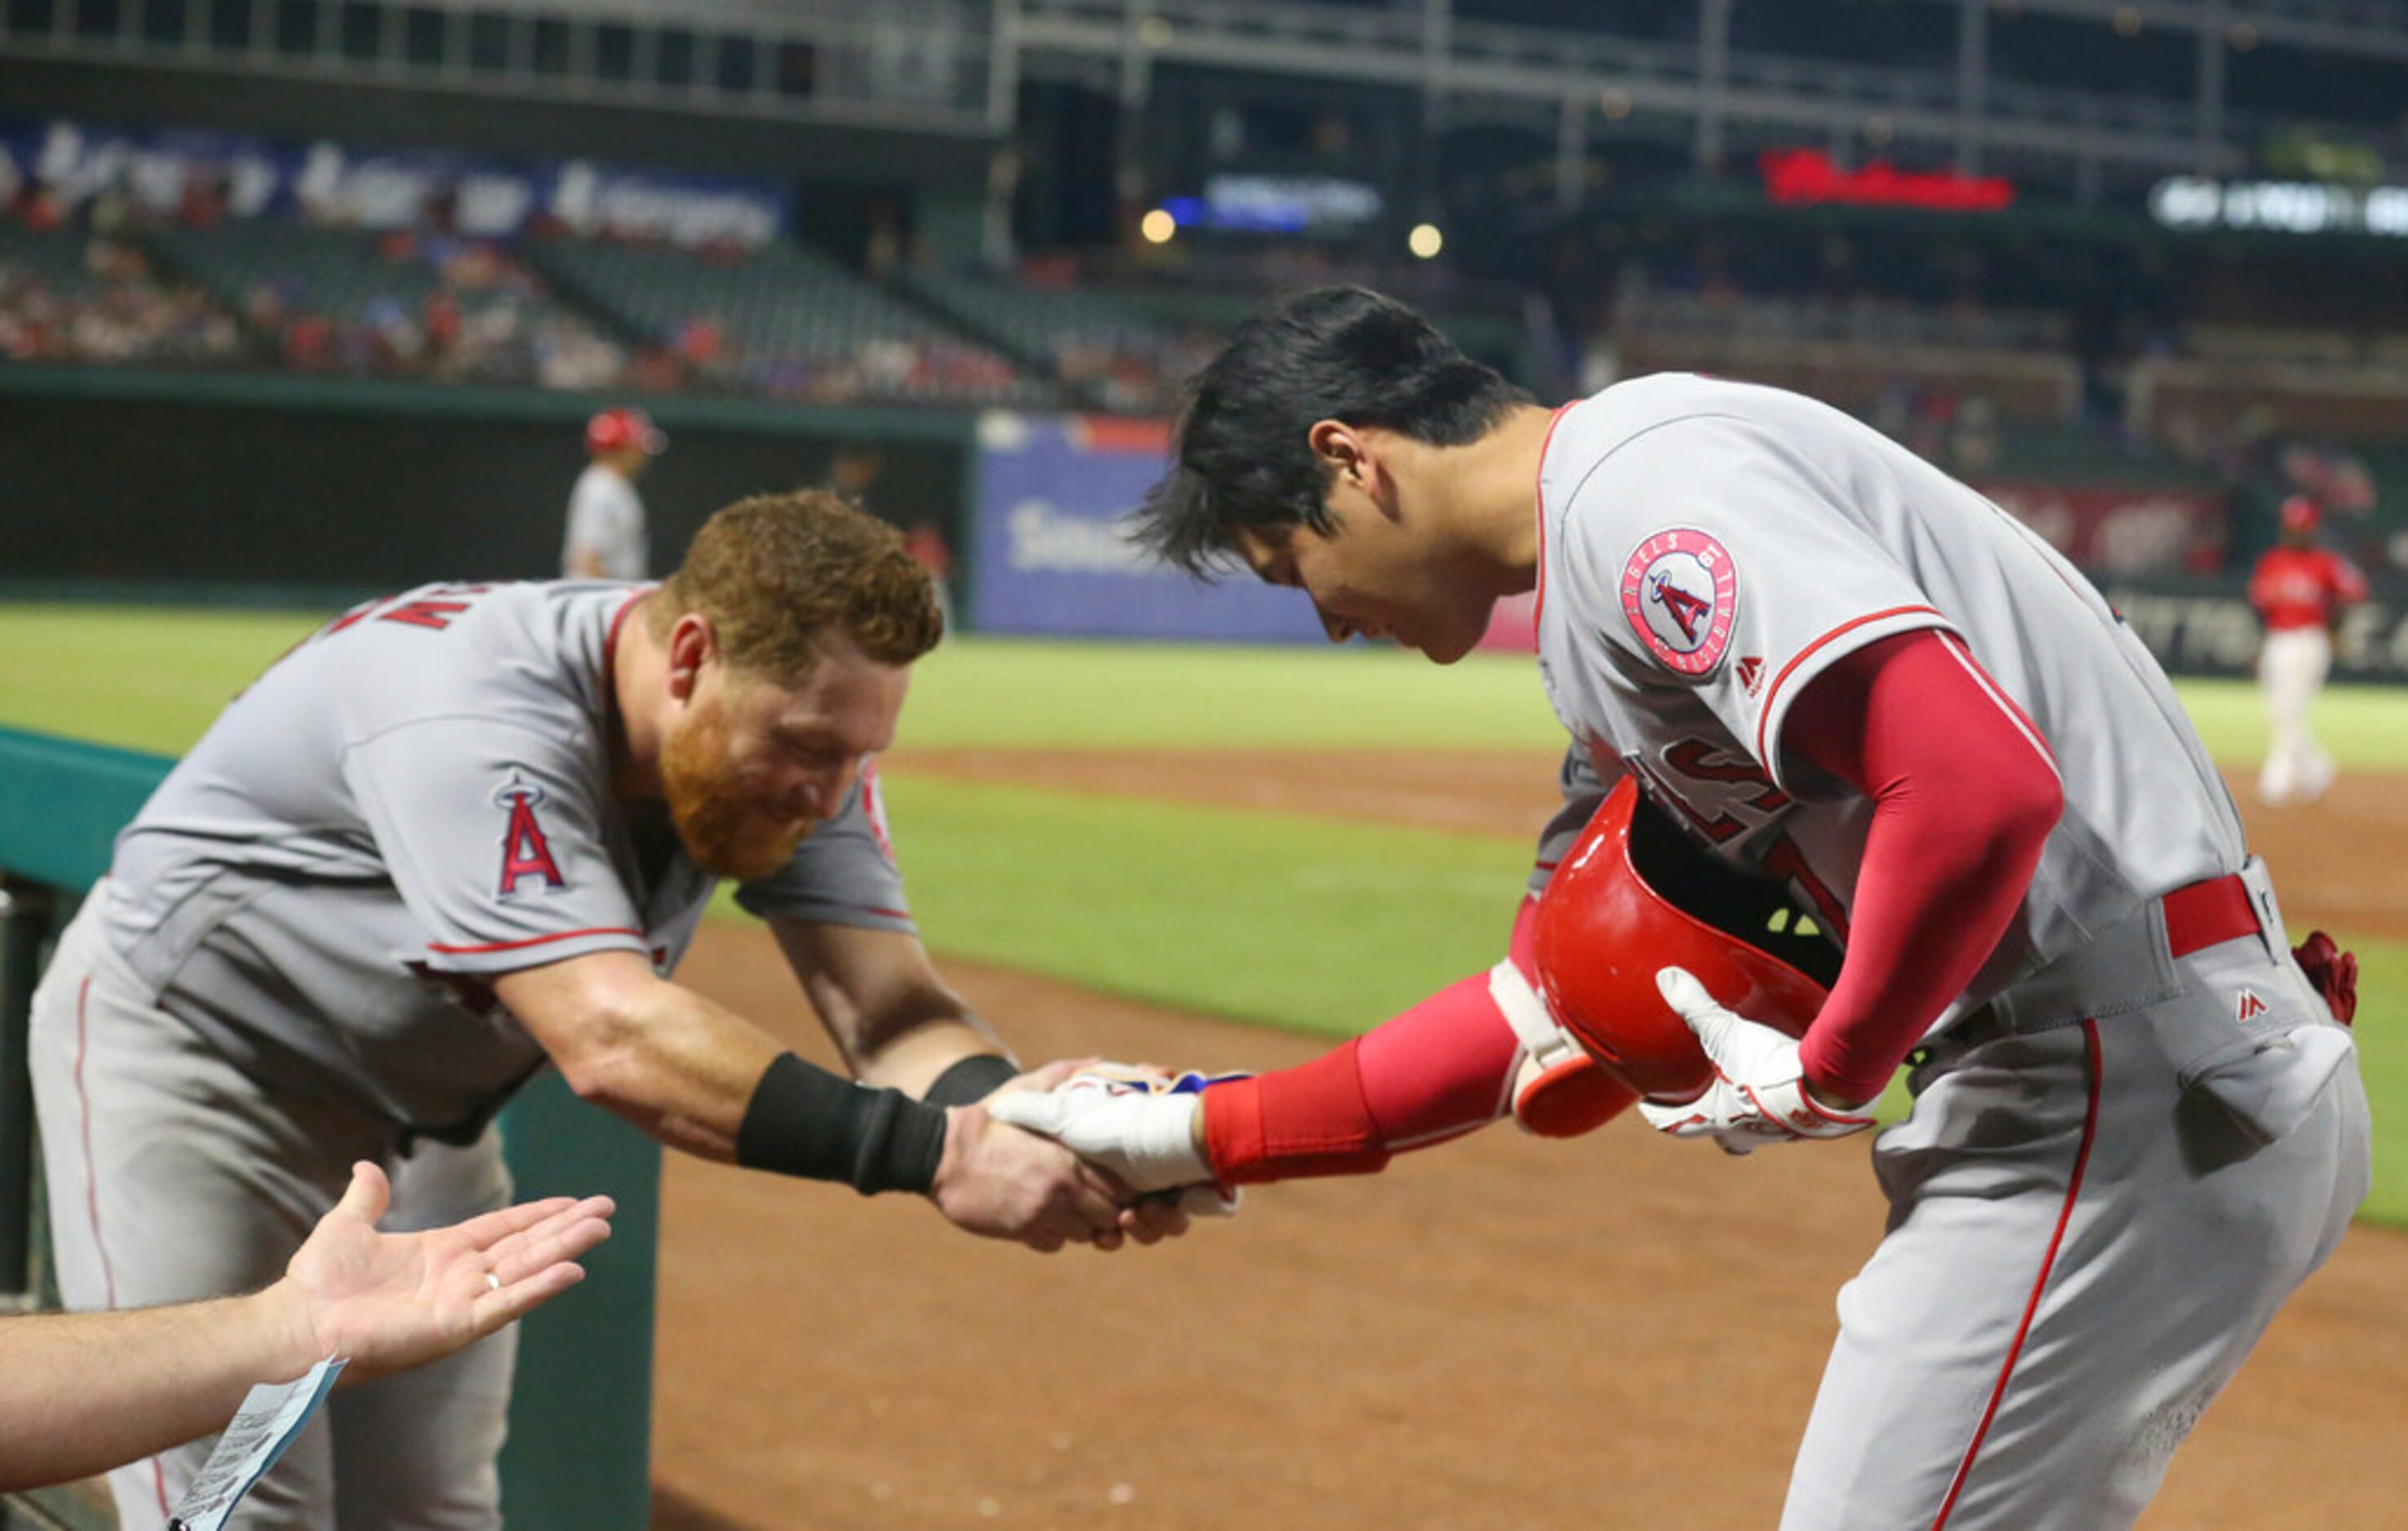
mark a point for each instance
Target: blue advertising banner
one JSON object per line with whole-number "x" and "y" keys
{"x": 161, "y": 171}
{"x": 1049, "y": 556}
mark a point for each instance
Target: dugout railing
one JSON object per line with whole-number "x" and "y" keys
{"x": 580, "y": 1419}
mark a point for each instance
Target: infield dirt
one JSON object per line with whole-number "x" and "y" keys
{"x": 1503, "y": 1333}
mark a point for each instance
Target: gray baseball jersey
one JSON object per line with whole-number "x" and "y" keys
{"x": 2127, "y": 1150}
{"x": 605, "y": 519}
{"x": 1709, "y": 547}
{"x": 415, "y": 799}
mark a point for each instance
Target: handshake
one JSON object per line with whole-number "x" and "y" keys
{"x": 1084, "y": 1152}
{"x": 1143, "y": 1126}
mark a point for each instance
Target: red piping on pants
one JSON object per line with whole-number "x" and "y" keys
{"x": 2039, "y": 1284}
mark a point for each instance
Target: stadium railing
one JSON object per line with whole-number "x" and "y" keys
{"x": 581, "y": 1416}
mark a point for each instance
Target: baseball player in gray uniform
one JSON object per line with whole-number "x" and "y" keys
{"x": 463, "y": 834}
{"x": 606, "y": 538}
{"x": 2138, "y": 1122}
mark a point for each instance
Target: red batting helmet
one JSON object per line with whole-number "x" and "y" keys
{"x": 1634, "y": 895}
{"x": 615, "y": 430}
{"x": 2301, "y": 514}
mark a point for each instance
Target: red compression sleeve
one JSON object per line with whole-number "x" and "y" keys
{"x": 1436, "y": 1071}
{"x": 1964, "y": 793}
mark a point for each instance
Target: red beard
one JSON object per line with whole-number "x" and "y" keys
{"x": 723, "y": 828}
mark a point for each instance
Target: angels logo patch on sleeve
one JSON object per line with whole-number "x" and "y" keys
{"x": 1679, "y": 592}
{"x": 525, "y": 851}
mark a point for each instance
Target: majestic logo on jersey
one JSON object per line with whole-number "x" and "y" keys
{"x": 1751, "y": 672}
{"x": 2251, "y": 1006}
{"x": 1679, "y": 593}
{"x": 525, "y": 852}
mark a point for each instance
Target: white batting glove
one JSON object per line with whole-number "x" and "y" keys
{"x": 1758, "y": 1095}
{"x": 1118, "y": 1119}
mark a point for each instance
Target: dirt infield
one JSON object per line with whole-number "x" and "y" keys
{"x": 1619, "y": 1330}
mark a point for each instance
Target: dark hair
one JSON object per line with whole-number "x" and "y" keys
{"x": 1239, "y": 454}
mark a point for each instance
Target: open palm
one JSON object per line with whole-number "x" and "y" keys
{"x": 388, "y": 1301}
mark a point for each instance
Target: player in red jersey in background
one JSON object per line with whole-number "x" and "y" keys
{"x": 2300, "y": 591}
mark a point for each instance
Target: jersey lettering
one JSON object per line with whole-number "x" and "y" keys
{"x": 1721, "y": 792}
{"x": 525, "y": 852}
{"x": 434, "y": 609}
{"x": 435, "y": 614}
{"x": 1785, "y": 860}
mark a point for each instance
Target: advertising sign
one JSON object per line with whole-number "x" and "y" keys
{"x": 336, "y": 184}
{"x": 1050, "y": 556}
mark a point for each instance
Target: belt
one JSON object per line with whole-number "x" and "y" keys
{"x": 2207, "y": 913}
{"x": 2199, "y": 916}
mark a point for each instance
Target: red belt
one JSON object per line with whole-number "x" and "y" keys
{"x": 2205, "y": 913}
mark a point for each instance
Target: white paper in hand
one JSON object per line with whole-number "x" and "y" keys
{"x": 271, "y": 1415}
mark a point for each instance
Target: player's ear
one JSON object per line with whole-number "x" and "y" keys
{"x": 1341, "y": 450}
{"x": 691, "y": 645}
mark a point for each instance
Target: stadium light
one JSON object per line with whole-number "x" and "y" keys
{"x": 1157, "y": 227}
{"x": 1426, "y": 240}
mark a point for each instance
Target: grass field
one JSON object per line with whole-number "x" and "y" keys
{"x": 1292, "y": 920}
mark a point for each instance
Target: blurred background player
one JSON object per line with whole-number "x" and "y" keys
{"x": 606, "y": 515}
{"x": 2298, "y": 589}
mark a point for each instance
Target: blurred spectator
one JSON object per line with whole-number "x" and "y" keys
{"x": 65, "y": 298}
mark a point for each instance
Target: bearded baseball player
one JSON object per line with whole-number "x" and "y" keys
{"x": 2138, "y": 1122}
{"x": 463, "y": 834}
{"x": 2299, "y": 591}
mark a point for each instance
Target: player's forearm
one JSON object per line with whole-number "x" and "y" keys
{"x": 882, "y": 1002}
{"x": 912, "y": 1060}
{"x": 1433, "y": 1072}
{"x": 675, "y": 1064}
{"x": 1965, "y": 797}
{"x": 81, "y": 1393}
{"x": 902, "y": 1036}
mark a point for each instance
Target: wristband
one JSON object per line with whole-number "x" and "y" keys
{"x": 805, "y": 1120}
{"x": 971, "y": 1080}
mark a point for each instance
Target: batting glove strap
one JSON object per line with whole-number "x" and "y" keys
{"x": 1791, "y": 1106}
{"x": 1148, "y": 1139}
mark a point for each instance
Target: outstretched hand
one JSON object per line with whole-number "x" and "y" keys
{"x": 1139, "y": 1123}
{"x": 390, "y": 1301}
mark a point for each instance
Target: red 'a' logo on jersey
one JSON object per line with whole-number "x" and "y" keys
{"x": 1685, "y": 607}
{"x": 525, "y": 853}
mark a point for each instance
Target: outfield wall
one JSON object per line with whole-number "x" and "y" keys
{"x": 129, "y": 478}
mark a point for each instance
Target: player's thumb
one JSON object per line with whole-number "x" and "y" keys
{"x": 1709, "y": 1020}
{"x": 1039, "y": 1110}
{"x": 368, "y": 1195}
